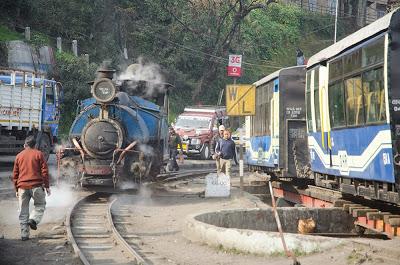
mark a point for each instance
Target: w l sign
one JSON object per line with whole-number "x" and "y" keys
{"x": 241, "y": 100}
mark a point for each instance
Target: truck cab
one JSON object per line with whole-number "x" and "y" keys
{"x": 29, "y": 105}
{"x": 197, "y": 126}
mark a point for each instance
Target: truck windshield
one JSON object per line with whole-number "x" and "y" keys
{"x": 193, "y": 122}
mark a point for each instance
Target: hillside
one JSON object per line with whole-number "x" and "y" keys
{"x": 189, "y": 40}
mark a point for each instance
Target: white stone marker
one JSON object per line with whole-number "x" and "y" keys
{"x": 218, "y": 186}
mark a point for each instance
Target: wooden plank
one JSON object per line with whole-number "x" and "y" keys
{"x": 395, "y": 222}
{"x": 376, "y": 215}
{"x": 340, "y": 203}
{"x": 353, "y": 208}
{"x": 346, "y": 206}
{"x": 389, "y": 216}
{"x": 363, "y": 212}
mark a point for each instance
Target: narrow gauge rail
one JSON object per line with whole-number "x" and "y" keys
{"x": 93, "y": 236}
{"x": 94, "y": 224}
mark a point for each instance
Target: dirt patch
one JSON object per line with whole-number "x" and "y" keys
{"x": 158, "y": 215}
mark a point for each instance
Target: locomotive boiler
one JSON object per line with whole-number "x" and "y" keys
{"x": 119, "y": 134}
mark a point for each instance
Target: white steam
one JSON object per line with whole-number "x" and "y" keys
{"x": 61, "y": 199}
{"x": 144, "y": 71}
{"x": 146, "y": 149}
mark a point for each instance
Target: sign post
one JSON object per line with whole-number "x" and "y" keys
{"x": 240, "y": 101}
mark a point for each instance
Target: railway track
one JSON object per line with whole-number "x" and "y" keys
{"x": 93, "y": 235}
{"x": 381, "y": 217}
{"x": 98, "y": 228}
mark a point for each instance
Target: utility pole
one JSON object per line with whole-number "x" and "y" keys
{"x": 336, "y": 17}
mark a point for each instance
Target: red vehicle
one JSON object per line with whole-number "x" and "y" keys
{"x": 197, "y": 126}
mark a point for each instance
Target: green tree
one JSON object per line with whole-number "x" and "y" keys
{"x": 74, "y": 72}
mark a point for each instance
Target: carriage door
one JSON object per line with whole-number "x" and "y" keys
{"x": 275, "y": 122}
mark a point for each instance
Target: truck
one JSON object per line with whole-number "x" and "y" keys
{"x": 197, "y": 125}
{"x": 29, "y": 105}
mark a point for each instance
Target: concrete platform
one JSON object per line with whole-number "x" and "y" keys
{"x": 253, "y": 230}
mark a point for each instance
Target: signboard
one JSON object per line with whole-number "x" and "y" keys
{"x": 235, "y": 65}
{"x": 217, "y": 185}
{"x": 241, "y": 100}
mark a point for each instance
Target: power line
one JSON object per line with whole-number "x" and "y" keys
{"x": 196, "y": 51}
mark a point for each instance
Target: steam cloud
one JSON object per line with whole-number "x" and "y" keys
{"x": 147, "y": 149}
{"x": 148, "y": 72}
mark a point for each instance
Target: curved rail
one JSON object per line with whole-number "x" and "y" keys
{"x": 93, "y": 236}
{"x": 139, "y": 259}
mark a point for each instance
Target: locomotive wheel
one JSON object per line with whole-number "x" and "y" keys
{"x": 44, "y": 145}
{"x": 205, "y": 153}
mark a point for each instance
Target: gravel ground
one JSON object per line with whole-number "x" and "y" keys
{"x": 159, "y": 212}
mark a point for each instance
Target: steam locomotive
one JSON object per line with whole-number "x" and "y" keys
{"x": 119, "y": 134}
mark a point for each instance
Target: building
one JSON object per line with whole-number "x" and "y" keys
{"x": 363, "y": 12}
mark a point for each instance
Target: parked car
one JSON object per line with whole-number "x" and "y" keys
{"x": 197, "y": 126}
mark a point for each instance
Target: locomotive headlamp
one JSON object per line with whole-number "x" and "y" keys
{"x": 103, "y": 90}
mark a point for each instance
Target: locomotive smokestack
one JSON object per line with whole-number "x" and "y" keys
{"x": 105, "y": 73}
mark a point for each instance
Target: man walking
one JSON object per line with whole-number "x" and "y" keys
{"x": 214, "y": 142}
{"x": 173, "y": 142}
{"x": 226, "y": 151}
{"x": 31, "y": 179}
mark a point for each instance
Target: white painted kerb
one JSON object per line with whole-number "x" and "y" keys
{"x": 253, "y": 241}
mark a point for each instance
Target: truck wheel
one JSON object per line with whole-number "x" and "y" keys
{"x": 205, "y": 153}
{"x": 44, "y": 145}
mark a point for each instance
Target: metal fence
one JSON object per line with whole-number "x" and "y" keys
{"x": 329, "y": 8}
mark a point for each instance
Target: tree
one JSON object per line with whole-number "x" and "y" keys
{"x": 216, "y": 23}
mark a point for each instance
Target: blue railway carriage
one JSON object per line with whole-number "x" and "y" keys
{"x": 353, "y": 112}
{"x": 29, "y": 105}
{"x": 278, "y": 141}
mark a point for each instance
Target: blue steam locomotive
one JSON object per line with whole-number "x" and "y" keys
{"x": 350, "y": 116}
{"x": 121, "y": 133}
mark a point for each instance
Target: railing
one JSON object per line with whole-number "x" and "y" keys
{"x": 329, "y": 8}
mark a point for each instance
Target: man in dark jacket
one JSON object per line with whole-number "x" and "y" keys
{"x": 226, "y": 150}
{"x": 174, "y": 141}
{"x": 31, "y": 180}
{"x": 214, "y": 142}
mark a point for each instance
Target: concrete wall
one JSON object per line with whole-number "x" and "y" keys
{"x": 243, "y": 230}
{"x": 330, "y": 220}
{"x": 22, "y": 56}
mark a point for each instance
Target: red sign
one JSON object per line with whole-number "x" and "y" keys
{"x": 10, "y": 111}
{"x": 234, "y": 65}
{"x": 234, "y": 71}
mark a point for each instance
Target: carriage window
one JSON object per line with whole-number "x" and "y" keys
{"x": 336, "y": 105}
{"x": 308, "y": 102}
{"x": 354, "y": 101}
{"x": 373, "y": 53}
{"x": 374, "y": 96}
{"x": 316, "y": 99}
{"x": 352, "y": 62}
{"x": 335, "y": 69}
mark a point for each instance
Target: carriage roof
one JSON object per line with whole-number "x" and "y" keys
{"x": 274, "y": 75}
{"x": 372, "y": 29}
